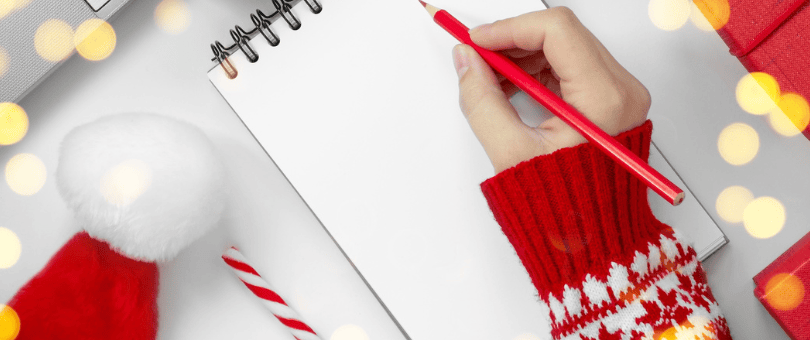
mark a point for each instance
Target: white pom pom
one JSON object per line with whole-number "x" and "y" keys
{"x": 149, "y": 185}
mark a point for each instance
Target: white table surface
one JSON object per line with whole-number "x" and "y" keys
{"x": 689, "y": 73}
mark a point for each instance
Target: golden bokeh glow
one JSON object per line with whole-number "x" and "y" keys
{"x": 172, "y": 16}
{"x": 125, "y": 182}
{"x": 738, "y": 143}
{"x": 6, "y": 6}
{"x": 732, "y": 202}
{"x": 95, "y": 39}
{"x": 4, "y": 60}
{"x": 764, "y": 217}
{"x": 699, "y": 20}
{"x": 9, "y": 323}
{"x": 791, "y": 116}
{"x": 669, "y": 15}
{"x": 10, "y": 249}
{"x": 784, "y": 291}
{"x": 758, "y": 93}
{"x": 54, "y": 40}
{"x": 349, "y": 332}
{"x": 13, "y": 123}
{"x": 25, "y": 174}
{"x": 715, "y": 12}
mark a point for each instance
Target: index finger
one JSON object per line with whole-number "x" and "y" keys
{"x": 568, "y": 46}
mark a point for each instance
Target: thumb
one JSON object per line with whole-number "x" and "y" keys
{"x": 489, "y": 113}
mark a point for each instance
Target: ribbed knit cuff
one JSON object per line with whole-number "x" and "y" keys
{"x": 573, "y": 212}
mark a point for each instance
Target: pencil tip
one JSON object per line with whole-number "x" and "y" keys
{"x": 431, "y": 10}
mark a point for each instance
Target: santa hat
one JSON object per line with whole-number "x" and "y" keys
{"x": 143, "y": 187}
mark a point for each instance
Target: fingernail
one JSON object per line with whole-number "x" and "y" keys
{"x": 461, "y": 60}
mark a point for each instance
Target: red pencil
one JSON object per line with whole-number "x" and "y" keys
{"x": 560, "y": 108}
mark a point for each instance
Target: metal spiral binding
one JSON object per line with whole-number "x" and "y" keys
{"x": 261, "y": 22}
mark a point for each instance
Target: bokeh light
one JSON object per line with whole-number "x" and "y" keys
{"x": 13, "y": 123}
{"x": 4, "y": 61}
{"x": 738, "y": 143}
{"x": 791, "y": 116}
{"x": 669, "y": 15}
{"x": 9, "y": 323}
{"x": 527, "y": 336}
{"x": 53, "y": 40}
{"x": 172, "y": 16}
{"x": 25, "y": 174}
{"x": 758, "y": 93}
{"x": 125, "y": 182}
{"x": 349, "y": 332}
{"x": 764, "y": 217}
{"x": 95, "y": 39}
{"x": 6, "y": 6}
{"x": 731, "y": 203}
{"x": 784, "y": 291}
{"x": 699, "y": 20}
{"x": 696, "y": 327}
{"x": 10, "y": 249}
{"x": 714, "y": 12}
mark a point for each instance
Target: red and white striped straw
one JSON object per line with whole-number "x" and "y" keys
{"x": 271, "y": 300}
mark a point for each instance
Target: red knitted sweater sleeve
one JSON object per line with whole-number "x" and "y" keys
{"x": 600, "y": 260}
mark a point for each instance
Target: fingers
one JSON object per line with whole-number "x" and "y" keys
{"x": 569, "y": 47}
{"x": 489, "y": 113}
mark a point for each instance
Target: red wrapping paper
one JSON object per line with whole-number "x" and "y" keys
{"x": 771, "y": 36}
{"x": 783, "y": 287}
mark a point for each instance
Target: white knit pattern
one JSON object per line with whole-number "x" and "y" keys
{"x": 664, "y": 289}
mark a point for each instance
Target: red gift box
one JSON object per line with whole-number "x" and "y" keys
{"x": 784, "y": 289}
{"x": 771, "y": 36}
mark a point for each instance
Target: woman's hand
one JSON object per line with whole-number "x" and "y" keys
{"x": 556, "y": 48}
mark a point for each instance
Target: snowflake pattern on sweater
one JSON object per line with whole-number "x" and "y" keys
{"x": 604, "y": 265}
{"x": 666, "y": 299}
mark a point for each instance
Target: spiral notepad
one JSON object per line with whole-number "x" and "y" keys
{"x": 358, "y": 108}
{"x": 261, "y": 25}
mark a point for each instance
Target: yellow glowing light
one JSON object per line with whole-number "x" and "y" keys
{"x": 10, "y": 249}
{"x": 669, "y": 15}
{"x": 3, "y": 62}
{"x": 13, "y": 123}
{"x": 95, "y": 39}
{"x": 758, "y": 93}
{"x": 738, "y": 143}
{"x": 764, "y": 217}
{"x": 699, "y": 20}
{"x": 731, "y": 203}
{"x": 54, "y": 40}
{"x": 349, "y": 332}
{"x": 696, "y": 327}
{"x": 6, "y": 6}
{"x": 125, "y": 182}
{"x": 784, "y": 291}
{"x": 172, "y": 16}
{"x": 9, "y": 323}
{"x": 527, "y": 336}
{"x": 715, "y": 12}
{"x": 25, "y": 174}
{"x": 791, "y": 116}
